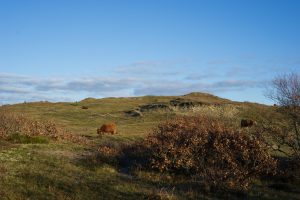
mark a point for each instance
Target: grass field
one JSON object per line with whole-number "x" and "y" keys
{"x": 42, "y": 168}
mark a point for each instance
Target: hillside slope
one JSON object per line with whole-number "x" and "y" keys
{"x": 67, "y": 170}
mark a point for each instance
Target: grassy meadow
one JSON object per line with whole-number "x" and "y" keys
{"x": 40, "y": 167}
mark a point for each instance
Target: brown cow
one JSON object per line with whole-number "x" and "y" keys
{"x": 107, "y": 128}
{"x": 247, "y": 123}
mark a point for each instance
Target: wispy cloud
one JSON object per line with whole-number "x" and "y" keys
{"x": 202, "y": 75}
{"x": 236, "y": 84}
{"x": 138, "y": 78}
{"x": 99, "y": 84}
{"x": 181, "y": 87}
{"x": 13, "y": 90}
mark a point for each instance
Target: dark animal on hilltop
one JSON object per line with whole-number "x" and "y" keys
{"x": 107, "y": 128}
{"x": 84, "y": 107}
{"x": 247, "y": 123}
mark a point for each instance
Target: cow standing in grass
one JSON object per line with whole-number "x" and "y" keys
{"x": 107, "y": 128}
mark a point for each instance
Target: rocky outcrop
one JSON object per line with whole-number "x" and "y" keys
{"x": 186, "y": 104}
{"x": 154, "y": 106}
{"x": 134, "y": 113}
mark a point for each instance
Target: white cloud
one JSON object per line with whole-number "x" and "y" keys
{"x": 19, "y": 88}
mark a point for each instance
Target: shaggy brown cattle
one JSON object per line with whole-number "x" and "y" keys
{"x": 107, "y": 128}
{"x": 84, "y": 107}
{"x": 247, "y": 123}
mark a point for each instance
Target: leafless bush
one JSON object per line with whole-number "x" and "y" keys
{"x": 285, "y": 91}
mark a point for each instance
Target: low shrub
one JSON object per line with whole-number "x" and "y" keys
{"x": 204, "y": 149}
{"x": 19, "y": 127}
{"x": 107, "y": 153}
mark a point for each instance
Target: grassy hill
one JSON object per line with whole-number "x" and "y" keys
{"x": 63, "y": 169}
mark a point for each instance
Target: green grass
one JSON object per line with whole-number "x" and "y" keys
{"x": 24, "y": 139}
{"x": 41, "y": 168}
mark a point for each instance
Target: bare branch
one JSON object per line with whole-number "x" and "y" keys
{"x": 285, "y": 91}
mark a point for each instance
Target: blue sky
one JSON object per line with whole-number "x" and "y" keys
{"x": 63, "y": 50}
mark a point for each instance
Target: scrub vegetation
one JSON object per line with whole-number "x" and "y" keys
{"x": 177, "y": 147}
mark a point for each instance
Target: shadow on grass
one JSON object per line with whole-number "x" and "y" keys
{"x": 179, "y": 186}
{"x": 43, "y": 186}
{"x": 278, "y": 187}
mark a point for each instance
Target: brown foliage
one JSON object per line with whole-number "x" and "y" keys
{"x": 11, "y": 123}
{"x": 107, "y": 150}
{"x": 205, "y": 149}
{"x": 107, "y": 128}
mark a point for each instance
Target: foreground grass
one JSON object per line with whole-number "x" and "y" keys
{"x": 54, "y": 172}
{"x": 60, "y": 171}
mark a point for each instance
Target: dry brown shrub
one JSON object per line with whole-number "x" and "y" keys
{"x": 11, "y": 123}
{"x": 107, "y": 151}
{"x": 206, "y": 150}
